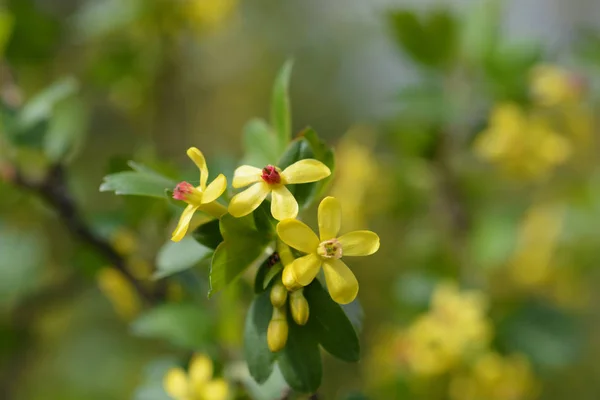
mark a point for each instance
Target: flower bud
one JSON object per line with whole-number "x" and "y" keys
{"x": 277, "y": 333}
{"x": 278, "y": 295}
{"x": 289, "y": 280}
{"x": 299, "y": 307}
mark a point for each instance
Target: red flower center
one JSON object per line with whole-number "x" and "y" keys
{"x": 270, "y": 175}
{"x": 182, "y": 190}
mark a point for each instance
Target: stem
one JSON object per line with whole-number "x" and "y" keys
{"x": 53, "y": 190}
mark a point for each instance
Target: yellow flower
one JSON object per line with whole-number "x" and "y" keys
{"x": 198, "y": 198}
{"x": 211, "y": 13}
{"x": 455, "y": 324}
{"x": 272, "y": 180}
{"x": 326, "y": 251}
{"x": 524, "y": 145}
{"x": 494, "y": 377}
{"x": 197, "y": 384}
{"x": 120, "y": 292}
{"x": 551, "y": 85}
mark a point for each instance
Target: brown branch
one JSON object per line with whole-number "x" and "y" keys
{"x": 53, "y": 190}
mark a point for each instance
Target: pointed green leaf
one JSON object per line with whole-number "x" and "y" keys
{"x": 256, "y": 351}
{"x": 175, "y": 257}
{"x": 331, "y": 325}
{"x": 281, "y": 118}
{"x": 209, "y": 234}
{"x": 261, "y": 144}
{"x": 243, "y": 246}
{"x": 143, "y": 182}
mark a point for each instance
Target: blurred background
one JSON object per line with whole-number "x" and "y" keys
{"x": 465, "y": 136}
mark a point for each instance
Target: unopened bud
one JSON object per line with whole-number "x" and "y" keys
{"x": 277, "y": 333}
{"x": 299, "y": 307}
{"x": 278, "y": 295}
{"x": 289, "y": 280}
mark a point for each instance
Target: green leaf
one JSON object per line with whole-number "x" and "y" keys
{"x": 183, "y": 324}
{"x": 331, "y": 325}
{"x": 6, "y": 27}
{"x": 308, "y": 192}
{"x": 300, "y": 360}
{"x": 175, "y": 257}
{"x": 298, "y": 149}
{"x": 261, "y": 144}
{"x": 281, "y": 118}
{"x": 270, "y": 274}
{"x": 430, "y": 41}
{"x": 41, "y": 106}
{"x": 549, "y": 337}
{"x": 209, "y": 234}
{"x": 65, "y": 130}
{"x": 256, "y": 351}
{"x": 481, "y": 30}
{"x": 243, "y": 246}
{"x": 140, "y": 182}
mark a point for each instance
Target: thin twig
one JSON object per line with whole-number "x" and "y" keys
{"x": 53, "y": 190}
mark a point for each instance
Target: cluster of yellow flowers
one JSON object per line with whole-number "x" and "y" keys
{"x": 529, "y": 143}
{"x": 453, "y": 338}
{"x": 198, "y": 383}
{"x": 325, "y": 250}
{"x": 455, "y": 327}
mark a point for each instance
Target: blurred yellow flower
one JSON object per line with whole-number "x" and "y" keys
{"x": 551, "y": 85}
{"x": 356, "y": 165}
{"x": 210, "y": 14}
{"x": 325, "y": 251}
{"x": 119, "y": 292}
{"x": 197, "y": 384}
{"x": 538, "y": 234}
{"x": 272, "y": 180}
{"x": 494, "y": 377}
{"x": 124, "y": 241}
{"x": 455, "y": 325}
{"x": 201, "y": 198}
{"x": 525, "y": 146}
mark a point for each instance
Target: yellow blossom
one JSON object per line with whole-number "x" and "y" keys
{"x": 494, "y": 377}
{"x": 273, "y": 180}
{"x": 455, "y": 325}
{"x": 325, "y": 251}
{"x": 197, "y": 384}
{"x": 551, "y": 85}
{"x": 211, "y": 13}
{"x": 201, "y": 198}
{"x": 523, "y": 145}
{"x": 120, "y": 292}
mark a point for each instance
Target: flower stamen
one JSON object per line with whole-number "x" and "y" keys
{"x": 270, "y": 175}
{"x": 330, "y": 249}
{"x": 184, "y": 191}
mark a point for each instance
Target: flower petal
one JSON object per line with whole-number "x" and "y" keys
{"x": 176, "y": 384}
{"x": 305, "y": 269}
{"x": 200, "y": 370}
{"x": 283, "y": 204}
{"x": 184, "y": 223}
{"x": 198, "y": 159}
{"x": 217, "y": 389}
{"x": 304, "y": 171}
{"x": 359, "y": 243}
{"x": 215, "y": 189}
{"x": 245, "y": 175}
{"x": 330, "y": 218}
{"x": 298, "y": 235}
{"x": 341, "y": 282}
{"x": 247, "y": 201}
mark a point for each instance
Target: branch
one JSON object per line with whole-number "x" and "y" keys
{"x": 53, "y": 190}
